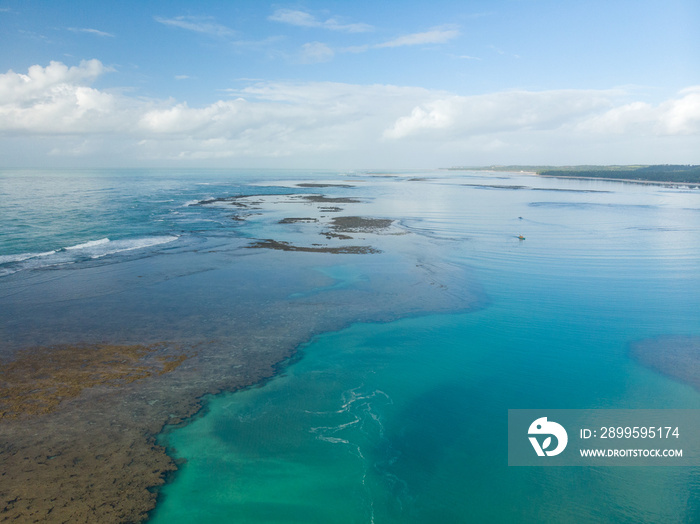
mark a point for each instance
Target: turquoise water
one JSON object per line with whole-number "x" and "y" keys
{"x": 54, "y": 218}
{"x": 403, "y": 421}
{"x": 406, "y": 421}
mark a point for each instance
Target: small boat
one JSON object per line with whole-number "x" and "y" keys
{"x": 520, "y": 237}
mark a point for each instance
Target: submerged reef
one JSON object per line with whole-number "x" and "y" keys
{"x": 68, "y": 454}
{"x": 87, "y": 383}
{"x": 78, "y": 433}
{"x": 38, "y": 379}
{"x": 675, "y": 356}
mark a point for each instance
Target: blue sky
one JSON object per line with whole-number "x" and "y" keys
{"x": 348, "y": 84}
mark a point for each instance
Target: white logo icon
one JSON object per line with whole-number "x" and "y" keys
{"x": 542, "y": 426}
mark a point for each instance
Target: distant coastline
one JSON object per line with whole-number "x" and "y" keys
{"x": 645, "y": 174}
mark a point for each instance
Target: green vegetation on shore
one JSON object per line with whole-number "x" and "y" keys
{"x": 670, "y": 173}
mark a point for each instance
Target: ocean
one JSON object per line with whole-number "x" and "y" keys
{"x": 409, "y": 347}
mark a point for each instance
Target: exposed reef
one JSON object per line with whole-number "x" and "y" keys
{"x": 323, "y": 199}
{"x": 309, "y": 184}
{"x": 286, "y": 246}
{"x": 360, "y": 224}
{"x": 294, "y": 220}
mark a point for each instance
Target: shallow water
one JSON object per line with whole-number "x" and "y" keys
{"x": 406, "y": 421}
{"x": 402, "y": 421}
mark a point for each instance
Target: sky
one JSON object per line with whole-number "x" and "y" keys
{"x": 348, "y": 84}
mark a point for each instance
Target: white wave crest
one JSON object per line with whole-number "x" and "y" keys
{"x": 92, "y": 249}
{"x": 90, "y": 244}
{"x": 9, "y": 259}
{"x": 119, "y": 246}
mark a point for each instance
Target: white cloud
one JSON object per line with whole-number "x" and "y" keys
{"x": 678, "y": 116}
{"x": 56, "y": 110}
{"x": 198, "y": 24}
{"x": 58, "y": 100}
{"x": 499, "y": 112}
{"x": 304, "y": 19}
{"x": 314, "y": 52}
{"x": 434, "y": 36}
{"x": 681, "y": 116}
{"x": 95, "y": 32}
{"x": 293, "y": 17}
{"x": 438, "y": 35}
{"x": 43, "y": 83}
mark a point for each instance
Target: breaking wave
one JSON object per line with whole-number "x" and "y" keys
{"x": 92, "y": 249}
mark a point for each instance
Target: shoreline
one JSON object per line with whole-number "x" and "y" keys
{"x": 542, "y": 172}
{"x": 690, "y": 185}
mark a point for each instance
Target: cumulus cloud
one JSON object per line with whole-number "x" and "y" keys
{"x": 41, "y": 84}
{"x": 323, "y": 123}
{"x": 677, "y": 116}
{"x": 681, "y": 116}
{"x": 304, "y": 19}
{"x": 499, "y": 112}
{"x": 308, "y": 115}
{"x": 59, "y": 100}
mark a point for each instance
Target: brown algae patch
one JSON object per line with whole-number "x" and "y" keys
{"x": 38, "y": 379}
{"x": 329, "y": 235}
{"x": 294, "y": 220}
{"x": 360, "y": 224}
{"x": 675, "y": 356}
{"x": 76, "y": 440}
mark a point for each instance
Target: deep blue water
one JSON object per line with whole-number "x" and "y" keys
{"x": 406, "y": 421}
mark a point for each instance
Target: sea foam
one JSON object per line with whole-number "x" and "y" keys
{"x": 92, "y": 249}
{"x": 105, "y": 246}
{"x": 90, "y": 244}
